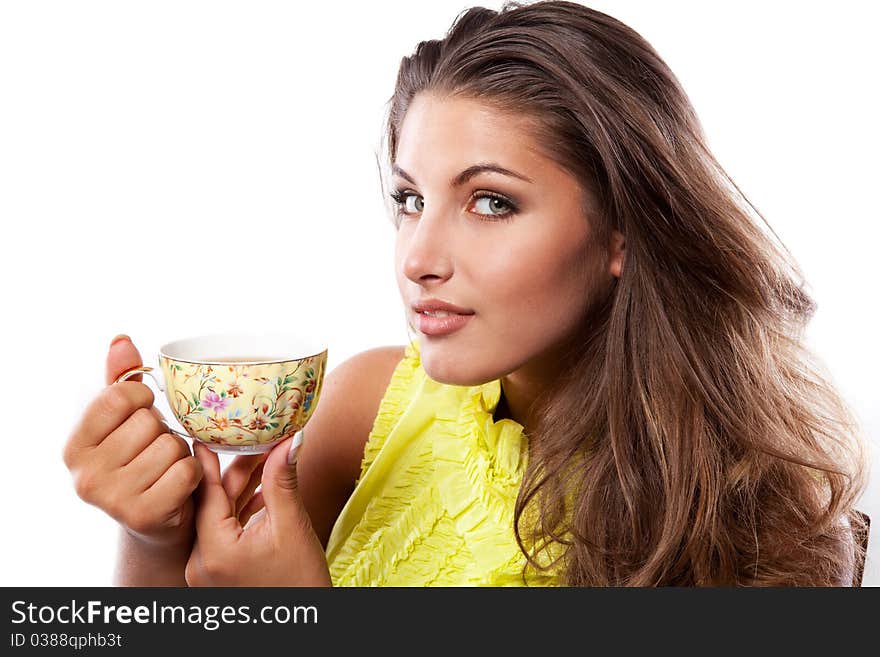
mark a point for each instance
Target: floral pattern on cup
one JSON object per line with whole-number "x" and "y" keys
{"x": 243, "y": 404}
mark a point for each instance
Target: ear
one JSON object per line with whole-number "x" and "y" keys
{"x": 616, "y": 253}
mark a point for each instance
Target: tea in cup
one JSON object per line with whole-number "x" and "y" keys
{"x": 240, "y": 393}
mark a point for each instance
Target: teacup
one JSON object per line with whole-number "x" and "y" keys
{"x": 240, "y": 393}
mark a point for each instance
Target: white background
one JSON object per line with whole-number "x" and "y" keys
{"x": 172, "y": 168}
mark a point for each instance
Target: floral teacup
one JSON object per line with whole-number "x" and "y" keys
{"x": 240, "y": 394}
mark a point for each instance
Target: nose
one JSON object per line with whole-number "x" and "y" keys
{"x": 427, "y": 248}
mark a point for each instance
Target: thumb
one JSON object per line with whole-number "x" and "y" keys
{"x": 280, "y": 487}
{"x": 122, "y": 356}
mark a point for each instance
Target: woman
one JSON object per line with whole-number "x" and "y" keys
{"x": 620, "y": 395}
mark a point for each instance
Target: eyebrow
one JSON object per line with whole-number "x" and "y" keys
{"x": 467, "y": 174}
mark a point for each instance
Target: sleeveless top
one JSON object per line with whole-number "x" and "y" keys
{"x": 433, "y": 504}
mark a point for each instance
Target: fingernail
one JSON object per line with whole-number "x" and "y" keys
{"x": 119, "y": 338}
{"x": 294, "y": 447}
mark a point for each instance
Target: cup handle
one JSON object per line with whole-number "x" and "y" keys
{"x": 127, "y": 374}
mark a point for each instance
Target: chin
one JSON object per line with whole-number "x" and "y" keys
{"x": 453, "y": 373}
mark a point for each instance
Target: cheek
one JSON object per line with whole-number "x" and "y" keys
{"x": 398, "y": 264}
{"x": 534, "y": 275}
{"x": 540, "y": 291}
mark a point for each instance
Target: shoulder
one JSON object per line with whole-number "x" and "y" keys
{"x": 365, "y": 375}
{"x": 335, "y": 436}
{"x": 350, "y": 398}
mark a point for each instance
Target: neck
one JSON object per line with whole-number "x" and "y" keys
{"x": 501, "y": 411}
{"x": 517, "y": 401}
{"x": 521, "y": 388}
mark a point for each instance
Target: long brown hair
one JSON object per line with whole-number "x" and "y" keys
{"x": 693, "y": 440}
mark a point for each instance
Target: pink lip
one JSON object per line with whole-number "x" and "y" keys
{"x": 438, "y": 304}
{"x": 436, "y": 326}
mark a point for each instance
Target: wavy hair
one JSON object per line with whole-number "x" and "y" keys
{"x": 693, "y": 439}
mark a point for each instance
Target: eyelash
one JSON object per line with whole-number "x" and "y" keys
{"x": 399, "y": 197}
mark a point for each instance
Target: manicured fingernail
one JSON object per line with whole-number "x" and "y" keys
{"x": 294, "y": 447}
{"x": 119, "y": 338}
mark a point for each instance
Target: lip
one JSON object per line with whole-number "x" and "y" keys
{"x": 436, "y": 326}
{"x": 438, "y": 304}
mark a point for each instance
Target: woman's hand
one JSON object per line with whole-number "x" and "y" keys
{"x": 124, "y": 461}
{"x": 248, "y": 539}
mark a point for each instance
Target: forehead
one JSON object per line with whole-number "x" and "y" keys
{"x": 442, "y": 134}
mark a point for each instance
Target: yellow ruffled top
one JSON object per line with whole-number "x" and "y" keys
{"x": 433, "y": 505}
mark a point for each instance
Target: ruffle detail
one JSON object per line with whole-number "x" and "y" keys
{"x": 397, "y": 537}
{"x": 435, "y": 499}
{"x": 392, "y": 406}
{"x": 480, "y": 463}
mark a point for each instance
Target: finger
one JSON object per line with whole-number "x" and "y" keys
{"x": 213, "y": 508}
{"x": 131, "y": 438}
{"x": 253, "y": 506}
{"x": 121, "y": 356}
{"x": 283, "y": 504}
{"x": 108, "y": 411}
{"x": 252, "y": 485}
{"x": 156, "y": 459}
{"x": 176, "y": 484}
{"x": 237, "y": 476}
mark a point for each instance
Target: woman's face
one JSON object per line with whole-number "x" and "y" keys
{"x": 522, "y": 262}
